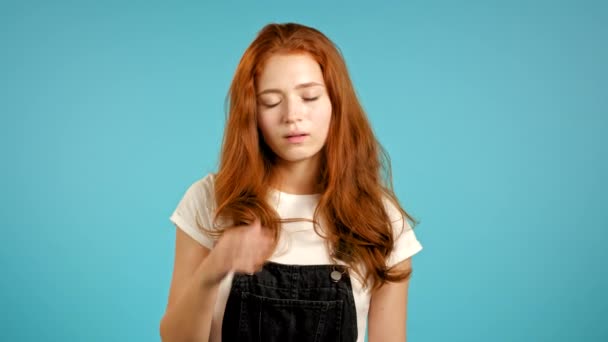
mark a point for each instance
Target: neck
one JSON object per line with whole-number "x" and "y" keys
{"x": 298, "y": 178}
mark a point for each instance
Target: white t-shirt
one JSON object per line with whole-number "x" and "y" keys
{"x": 299, "y": 244}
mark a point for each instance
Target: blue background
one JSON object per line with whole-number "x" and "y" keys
{"x": 495, "y": 114}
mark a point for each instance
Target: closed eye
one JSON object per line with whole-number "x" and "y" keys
{"x": 270, "y": 105}
{"x": 310, "y": 99}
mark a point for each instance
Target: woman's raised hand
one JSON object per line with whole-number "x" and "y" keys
{"x": 241, "y": 249}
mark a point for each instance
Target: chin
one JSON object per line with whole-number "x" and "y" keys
{"x": 295, "y": 158}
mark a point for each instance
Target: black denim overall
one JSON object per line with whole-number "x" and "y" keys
{"x": 285, "y": 303}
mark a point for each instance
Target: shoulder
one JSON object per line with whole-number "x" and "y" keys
{"x": 202, "y": 189}
{"x": 205, "y": 183}
{"x": 395, "y": 213}
{"x": 198, "y": 201}
{"x": 406, "y": 243}
{"x": 195, "y": 211}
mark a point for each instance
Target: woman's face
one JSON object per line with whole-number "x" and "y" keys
{"x": 294, "y": 110}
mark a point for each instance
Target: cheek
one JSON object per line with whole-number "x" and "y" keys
{"x": 265, "y": 126}
{"x": 324, "y": 116}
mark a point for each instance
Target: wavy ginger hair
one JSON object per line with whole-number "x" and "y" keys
{"x": 358, "y": 228}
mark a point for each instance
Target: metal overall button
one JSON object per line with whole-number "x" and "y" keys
{"x": 336, "y": 275}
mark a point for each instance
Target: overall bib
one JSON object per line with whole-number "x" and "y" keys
{"x": 300, "y": 303}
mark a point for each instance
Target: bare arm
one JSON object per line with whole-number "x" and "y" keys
{"x": 191, "y": 296}
{"x": 197, "y": 273}
{"x": 388, "y": 310}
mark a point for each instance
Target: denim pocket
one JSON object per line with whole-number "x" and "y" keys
{"x": 267, "y": 319}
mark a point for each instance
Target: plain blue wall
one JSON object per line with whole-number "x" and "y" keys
{"x": 495, "y": 114}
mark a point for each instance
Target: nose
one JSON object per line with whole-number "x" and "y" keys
{"x": 293, "y": 111}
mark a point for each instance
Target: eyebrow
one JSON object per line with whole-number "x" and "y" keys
{"x": 299, "y": 86}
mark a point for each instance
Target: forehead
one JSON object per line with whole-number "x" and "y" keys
{"x": 289, "y": 70}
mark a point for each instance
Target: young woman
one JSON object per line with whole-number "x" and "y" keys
{"x": 299, "y": 236}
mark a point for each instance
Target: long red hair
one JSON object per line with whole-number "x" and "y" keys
{"x": 355, "y": 170}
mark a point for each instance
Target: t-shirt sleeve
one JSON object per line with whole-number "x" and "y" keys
{"x": 406, "y": 242}
{"x": 195, "y": 211}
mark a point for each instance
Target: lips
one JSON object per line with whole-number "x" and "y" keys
{"x": 295, "y": 134}
{"x": 296, "y": 137}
